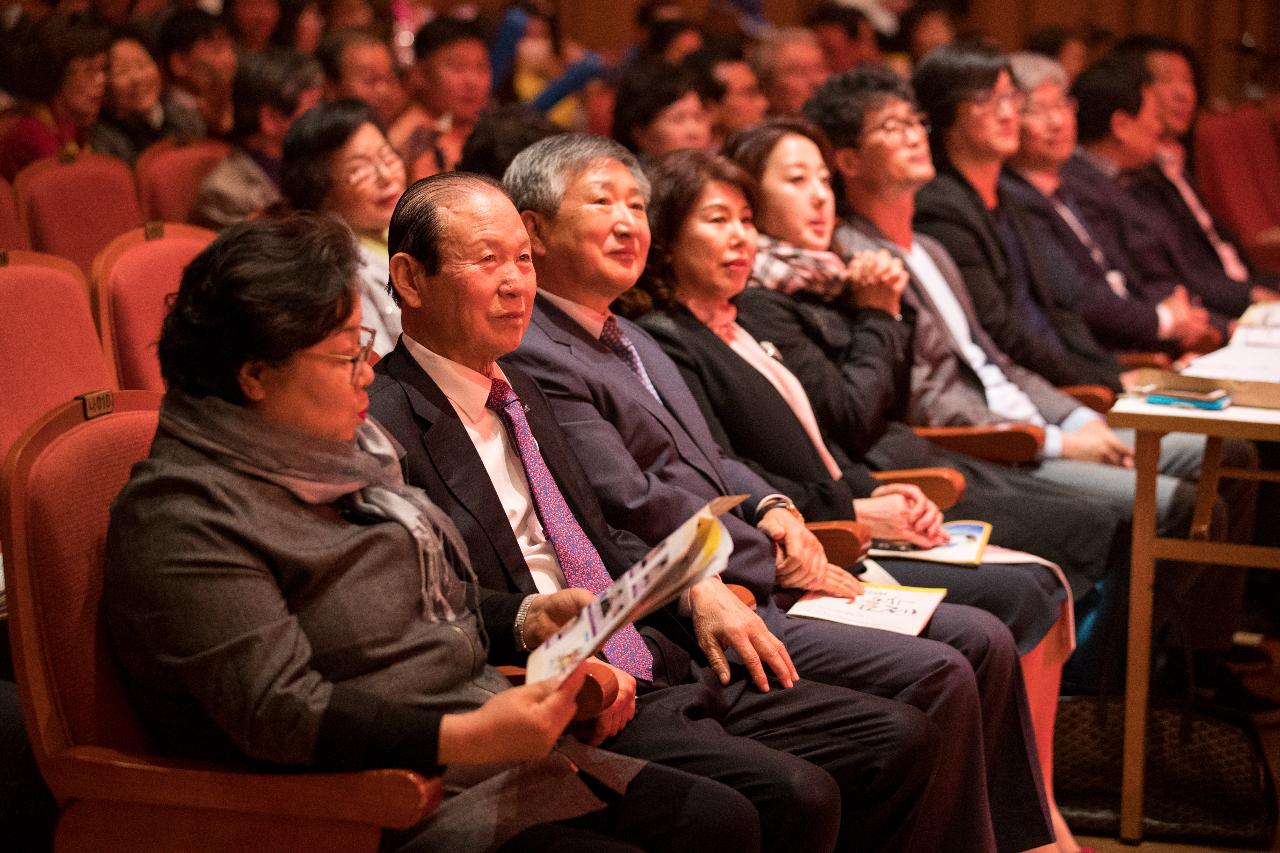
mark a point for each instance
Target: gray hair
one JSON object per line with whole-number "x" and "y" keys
{"x": 765, "y": 54}
{"x": 538, "y": 176}
{"x": 1032, "y": 70}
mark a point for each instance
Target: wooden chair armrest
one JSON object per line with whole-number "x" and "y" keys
{"x": 1135, "y": 360}
{"x": 846, "y": 542}
{"x": 1264, "y": 249}
{"x": 943, "y": 486}
{"x": 391, "y": 798}
{"x": 599, "y": 689}
{"x": 1097, "y": 397}
{"x": 1008, "y": 443}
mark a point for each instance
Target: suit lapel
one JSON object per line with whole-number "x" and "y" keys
{"x": 450, "y": 452}
{"x": 597, "y": 360}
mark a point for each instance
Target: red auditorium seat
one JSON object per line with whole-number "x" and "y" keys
{"x": 74, "y": 207}
{"x": 131, "y": 278}
{"x": 115, "y": 794}
{"x": 12, "y": 234}
{"x": 49, "y": 350}
{"x": 169, "y": 175}
{"x": 1238, "y": 171}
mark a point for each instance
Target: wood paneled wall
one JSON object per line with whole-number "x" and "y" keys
{"x": 1212, "y": 27}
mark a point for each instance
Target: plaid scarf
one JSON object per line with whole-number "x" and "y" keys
{"x": 791, "y": 269}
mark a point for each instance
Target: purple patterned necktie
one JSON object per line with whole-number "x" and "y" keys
{"x": 613, "y": 337}
{"x": 578, "y": 558}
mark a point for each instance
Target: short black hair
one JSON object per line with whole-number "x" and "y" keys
{"x": 443, "y": 31}
{"x": 840, "y": 105}
{"x": 184, "y": 27}
{"x": 702, "y": 64}
{"x": 273, "y": 79}
{"x": 949, "y": 75}
{"x": 1145, "y": 44}
{"x": 500, "y": 133}
{"x": 41, "y": 60}
{"x": 646, "y": 88}
{"x": 1048, "y": 41}
{"x": 417, "y": 228}
{"x": 663, "y": 33}
{"x": 311, "y": 141}
{"x": 335, "y": 44}
{"x": 848, "y": 18}
{"x": 262, "y": 291}
{"x": 1110, "y": 85}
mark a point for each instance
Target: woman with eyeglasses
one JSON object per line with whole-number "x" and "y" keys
{"x": 337, "y": 160}
{"x": 276, "y": 594}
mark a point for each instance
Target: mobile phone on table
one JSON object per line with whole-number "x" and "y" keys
{"x": 1214, "y": 400}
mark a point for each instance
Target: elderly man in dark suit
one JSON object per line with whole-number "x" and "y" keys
{"x": 812, "y": 758}
{"x": 652, "y": 460}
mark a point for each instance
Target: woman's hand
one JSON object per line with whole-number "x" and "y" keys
{"x": 520, "y": 724}
{"x": 901, "y": 512}
{"x": 876, "y": 280}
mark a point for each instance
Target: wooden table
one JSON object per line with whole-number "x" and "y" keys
{"x": 1151, "y": 423}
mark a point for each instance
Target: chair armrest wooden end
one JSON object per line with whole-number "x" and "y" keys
{"x": 743, "y": 594}
{"x": 389, "y": 798}
{"x": 943, "y": 486}
{"x": 1008, "y": 443}
{"x": 1135, "y": 360}
{"x": 599, "y": 689}
{"x": 1097, "y": 397}
{"x": 846, "y": 542}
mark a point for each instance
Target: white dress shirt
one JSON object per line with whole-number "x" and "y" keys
{"x": 1003, "y": 396}
{"x": 467, "y": 391}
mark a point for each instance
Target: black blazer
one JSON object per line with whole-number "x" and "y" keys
{"x": 750, "y": 419}
{"x": 1161, "y": 201}
{"x": 441, "y": 460}
{"x": 949, "y": 210}
{"x": 1114, "y": 215}
{"x": 1120, "y": 322}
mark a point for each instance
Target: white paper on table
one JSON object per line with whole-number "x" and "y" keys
{"x": 901, "y": 609}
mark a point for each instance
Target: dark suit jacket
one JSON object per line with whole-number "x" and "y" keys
{"x": 1028, "y": 514}
{"x": 751, "y": 420}
{"x": 441, "y": 460}
{"x": 1116, "y": 215}
{"x": 651, "y": 465}
{"x": 1126, "y": 322}
{"x": 1161, "y": 201}
{"x": 949, "y": 210}
{"x": 945, "y": 389}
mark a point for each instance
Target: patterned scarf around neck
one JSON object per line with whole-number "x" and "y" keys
{"x": 790, "y": 269}
{"x": 364, "y": 472}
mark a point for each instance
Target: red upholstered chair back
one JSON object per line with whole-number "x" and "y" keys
{"x": 76, "y": 207}
{"x": 55, "y": 492}
{"x": 132, "y": 278}
{"x": 1238, "y": 169}
{"x": 12, "y": 234}
{"x": 49, "y": 350}
{"x": 169, "y": 175}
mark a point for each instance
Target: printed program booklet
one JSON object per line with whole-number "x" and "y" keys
{"x": 696, "y": 550}
{"x": 901, "y": 609}
{"x": 968, "y": 541}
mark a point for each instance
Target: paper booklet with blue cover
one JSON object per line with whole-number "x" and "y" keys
{"x": 696, "y": 550}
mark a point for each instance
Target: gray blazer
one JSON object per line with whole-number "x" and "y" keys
{"x": 652, "y": 465}
{"x": 945, "y": 390}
